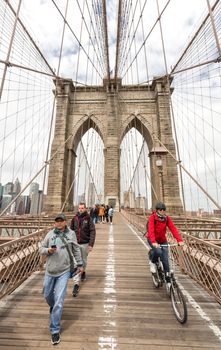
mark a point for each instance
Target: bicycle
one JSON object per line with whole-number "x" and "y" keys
{"x": 177, "y": 298}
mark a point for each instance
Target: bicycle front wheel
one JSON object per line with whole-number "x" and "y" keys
{"x": 178, "y": 304}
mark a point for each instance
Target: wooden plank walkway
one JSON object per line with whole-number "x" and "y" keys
{"x": 117, "y": 307}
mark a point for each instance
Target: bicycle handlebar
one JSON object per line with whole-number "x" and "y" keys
{"x": 169, "y": 245}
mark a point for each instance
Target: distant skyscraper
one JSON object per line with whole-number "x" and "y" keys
{"x": 36, "y": 203}
{"x": 23, "y": 206}
{"x": 35, "y": 199}
{"x": 16, "y": 187}
{"x": 34, "y": 188}
{"x": 6, "y": 199}
{"x": 16, "y": 190}
{"x": 8, "y": 189}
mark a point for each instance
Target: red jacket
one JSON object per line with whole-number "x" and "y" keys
{"x": 157, "y": 229}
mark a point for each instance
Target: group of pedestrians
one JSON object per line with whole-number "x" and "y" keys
{"x": 102, "y": 213}
{"x": 67, "y": 251}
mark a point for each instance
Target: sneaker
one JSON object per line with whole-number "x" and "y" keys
{"x": 55, "y": 338}
{"x": 168, "y": 286}
{"x": 153, "y": 268}
{"x": 75, "y": 290}
{"x": 83, "y": 276}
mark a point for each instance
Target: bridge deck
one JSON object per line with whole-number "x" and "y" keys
{"x": 117, "y": 308}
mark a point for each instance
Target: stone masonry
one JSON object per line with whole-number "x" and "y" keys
{"x": 112, "y": 110}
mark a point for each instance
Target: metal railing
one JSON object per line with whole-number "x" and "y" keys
{"x": 199, "y": 258}
{"x": 18, "y": 260}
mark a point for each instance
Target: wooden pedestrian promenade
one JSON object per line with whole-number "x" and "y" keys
{"x": 118, "y": 308}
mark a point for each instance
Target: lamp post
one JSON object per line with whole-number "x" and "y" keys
{"x": 159, "y": 164}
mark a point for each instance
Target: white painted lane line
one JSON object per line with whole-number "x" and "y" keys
{"x": 216, "y": 330}
{"x": 110, "y": 303}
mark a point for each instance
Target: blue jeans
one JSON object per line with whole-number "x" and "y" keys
{"x": 162, "y": 253}
{"x": 54, "y": 292}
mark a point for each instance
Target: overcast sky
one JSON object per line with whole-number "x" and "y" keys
{"x": 178, "y": 22}
{"x": 45, "y": 24}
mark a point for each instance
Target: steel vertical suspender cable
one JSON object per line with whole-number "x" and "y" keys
{"x": 145, "y": 51}
{"x": 135, "y": 31}
{"x": 9, "y": 50}
{"x": 79, "y": 44}
{"x": 89, "y": 167}
{"x": 106, "y": 38}
{"x": 177, "y": 161}
{"x": 173, "y": 71}
{"x": 173, "y": 119}
{"x": 147, "y": 36}
{"x": 133, "y": 36}
{"x": 135, "y": 47}
{"x": 118, "y": 38}
{"x": 85, "y": 154}
{"x": 75, "y": 36}
{"x": 82, "y": 14}
{"x": 101, "y": 33}
{"x": 88, "y": 53}
{"x": 138, "y": 185}
{"x": 124, "y": 30}
{"x": 54, "y": 100}
{"x": 88, "y": 31}
{"x": 214, "y": 28}
{"x": 124, "y": 38}
{"x": 30, "y": 38}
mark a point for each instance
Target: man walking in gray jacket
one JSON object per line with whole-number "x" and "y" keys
{"x": 57, "y": 246}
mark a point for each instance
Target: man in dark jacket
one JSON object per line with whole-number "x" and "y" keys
{"x": 83, "y": 226}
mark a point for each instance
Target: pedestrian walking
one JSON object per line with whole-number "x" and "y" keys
{"x": 84, "y": 227}
{"x": 101, "y": 214}
{"x": 62, "y": 256}
{"x": 111, "y": 214}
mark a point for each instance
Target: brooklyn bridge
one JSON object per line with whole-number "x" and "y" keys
{"x": 115, "y": 103}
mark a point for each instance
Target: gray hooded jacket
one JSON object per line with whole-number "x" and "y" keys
{"x": 59, "y": 262}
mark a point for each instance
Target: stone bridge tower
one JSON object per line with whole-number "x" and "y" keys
{"x": 112, "y": 110}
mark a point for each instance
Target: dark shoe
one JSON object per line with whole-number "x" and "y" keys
{"x": 75, "y": 290}
{"x": 83, "y": 276}
{"x": 55, "y": 338}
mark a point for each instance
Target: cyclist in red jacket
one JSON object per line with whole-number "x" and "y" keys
{"x": 157, "y": 224}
